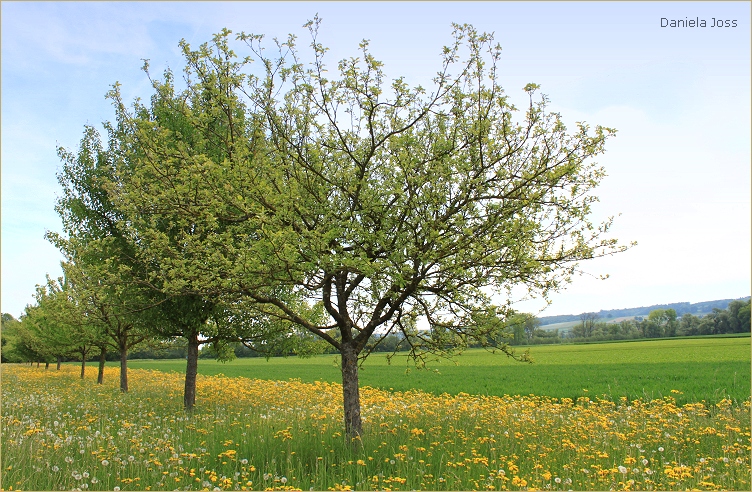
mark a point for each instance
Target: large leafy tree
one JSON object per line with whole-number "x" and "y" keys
{"x": 115, "y": 309}
{"x": 110, "y": 240}
{"x": 391, "y": 206}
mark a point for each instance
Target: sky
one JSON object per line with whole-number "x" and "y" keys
{"x": 678, "y": 169}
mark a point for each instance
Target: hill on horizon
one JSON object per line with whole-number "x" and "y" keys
{"x": 680, "y": 307}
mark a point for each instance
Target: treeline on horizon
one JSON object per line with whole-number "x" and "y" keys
{"x": 521, "y": 329}
{"x": 681, "y": 309}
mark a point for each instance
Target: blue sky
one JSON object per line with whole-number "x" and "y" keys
{"x": 678, "y": 169}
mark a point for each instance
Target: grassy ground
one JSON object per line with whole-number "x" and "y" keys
{"x": 708, "y": 369}
{"x": 63, "y": 433}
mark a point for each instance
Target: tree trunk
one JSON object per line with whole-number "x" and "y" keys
{"x": 37, "y": 364}
{"x": 46, "y": 365}
{"x": 189, "y": 399}
{"x": 124, "y": 370}
{"x": 83, "y": 366}
{"x": 351, "y": 395}
{"x": 102, "y": 360}
{"x": 59, "y": 362}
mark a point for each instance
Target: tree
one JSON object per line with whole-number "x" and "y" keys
{"x": 8, "y": 323}
{"x": 60, "y": 328}
{"x": 531, "y": 325}
{"x": 739, "y": 315}
{"x": 671, "y": 323}
{"x": 743, "y": 316}
{"x": 19, "y": 341}
{"x": 116, "y": 309}
{"x": 384, "y": 203}
{"x": 627, "y": 327}
{"x": 689, "y": 324}
{"x": 588, "y": 323}
{"x": 665, "y": 321}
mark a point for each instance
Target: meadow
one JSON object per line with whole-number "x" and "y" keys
{"x": 708, "y": 369}
{"x": 63, "y": 433}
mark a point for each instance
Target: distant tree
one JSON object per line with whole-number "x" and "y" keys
{"x": 626, "y": 327}
{"x": 739, "y": 316}
{"x": 706, "y": 326}
{"x": 743, "y": 316}
{"x": 531, "y": 325}
{"x": 589, "y": 321}
{"x": 651, "y": 329}
{"x": 671, "y": 324}
{"x": 60, "y": 327}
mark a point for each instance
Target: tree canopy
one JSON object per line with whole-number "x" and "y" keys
{"x": 353, "y": 207}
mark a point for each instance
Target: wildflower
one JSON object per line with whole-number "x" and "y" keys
{"x": 105, "y": 462}
{"x": 283, "y": 479}
{"x": 55, "y": 468}
{"x": 660, "y": 449}
{"x": 86, "y": 474}
{"x": 131, "y": 458}
{"x": 635, "y": 470}
{"x": 244, "y": 461}
{"x": 644, "y": 462}
{"x": 116, "y": 489}
{"x": 94, "y": 480}
{"x": 557, "y": 480}
{"x": 622, "y": 469}
{"x": 725, "y": 459}
{"x": 391, "y": 462}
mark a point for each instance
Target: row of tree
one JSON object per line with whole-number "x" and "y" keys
{"x": 270, "y": 205}
{"x": 659, "y": 323}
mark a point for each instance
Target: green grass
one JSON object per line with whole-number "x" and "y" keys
{"x": 704, "y": 369}
{"x": 60, "y": 432}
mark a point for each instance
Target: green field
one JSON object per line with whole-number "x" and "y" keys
{"x": 61, "y": 432}
{"x": 706, "y": 369}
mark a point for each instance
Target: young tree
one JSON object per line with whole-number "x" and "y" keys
{"x": 384, "y": 203}
{"x": 60, "y": 328}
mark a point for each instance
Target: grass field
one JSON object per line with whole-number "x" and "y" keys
{"x": 63, "y": 433}
{"x": 60, "y": 432}
{"x": 708, "y": 369}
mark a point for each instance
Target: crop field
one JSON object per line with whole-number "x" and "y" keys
{"x": 60, "y": 432}
{"x": 708, "y": 369}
